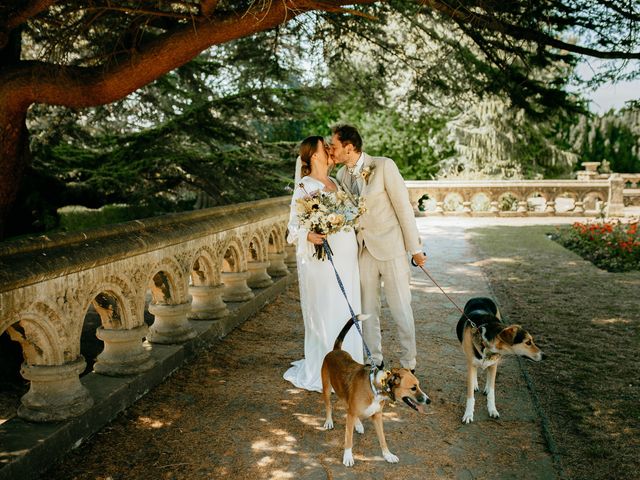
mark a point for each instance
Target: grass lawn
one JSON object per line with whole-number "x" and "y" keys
{"x": 587, "y": 321}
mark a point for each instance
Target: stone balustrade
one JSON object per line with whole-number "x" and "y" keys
{"x": 519, "y": 197}
{"x": 188, "y": 264}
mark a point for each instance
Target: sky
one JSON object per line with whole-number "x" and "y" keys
{"x": 609, "y": 95}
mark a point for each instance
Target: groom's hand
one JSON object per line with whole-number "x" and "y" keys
{"x": 419, "y": 259}
{"x": 315, "y": 238}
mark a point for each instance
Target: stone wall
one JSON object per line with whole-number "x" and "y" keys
{"x": 189, "y": 264}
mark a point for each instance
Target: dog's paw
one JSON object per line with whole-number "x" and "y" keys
{"x": 328, "y": 425}
{"x": 486, "y": 390}
{"x": 359, "y": 427}
{"x": 347, "y": 458}
{"x": 390, "y": 457}
{"x": 468, "y": 417}
{"x": 493, "y": 413}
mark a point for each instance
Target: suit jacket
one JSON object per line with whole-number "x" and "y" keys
{"x": 388, "y": 228}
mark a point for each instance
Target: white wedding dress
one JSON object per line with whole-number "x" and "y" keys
{"x": 324, "y": 308}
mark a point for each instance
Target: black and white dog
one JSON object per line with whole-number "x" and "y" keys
{"x": 484, "y": 342}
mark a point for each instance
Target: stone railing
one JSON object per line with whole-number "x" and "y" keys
{"x": 519, "y": 197}
{"x": 189, "y": 265}
{"x": 631, "y": 190}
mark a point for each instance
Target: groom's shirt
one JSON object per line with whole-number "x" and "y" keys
{"x": 355, "y": 174}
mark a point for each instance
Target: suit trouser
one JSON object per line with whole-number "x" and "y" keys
{"x": 396, "y": 275}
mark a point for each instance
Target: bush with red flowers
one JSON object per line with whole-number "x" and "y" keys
{"x": 612, "y": 245}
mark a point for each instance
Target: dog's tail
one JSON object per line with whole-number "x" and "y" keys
{"x": 343, "y": 333}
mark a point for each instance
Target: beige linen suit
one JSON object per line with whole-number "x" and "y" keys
{"x": 387, "y": 233}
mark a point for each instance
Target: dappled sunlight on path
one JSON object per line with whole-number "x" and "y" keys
{"x": 230, "y": 414}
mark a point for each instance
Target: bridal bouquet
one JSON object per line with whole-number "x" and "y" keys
{"x": 327, "y": 213}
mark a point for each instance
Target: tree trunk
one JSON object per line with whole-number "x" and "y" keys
{"x": 14, "y": 158}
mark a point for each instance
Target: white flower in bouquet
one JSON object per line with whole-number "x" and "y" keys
{"x": 328, "y": 213}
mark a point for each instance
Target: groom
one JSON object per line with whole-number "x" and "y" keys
{"x": 387, "y": 233}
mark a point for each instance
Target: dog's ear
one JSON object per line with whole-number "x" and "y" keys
{"x": 508, "y": 334}
{"x": 394, "y": 376}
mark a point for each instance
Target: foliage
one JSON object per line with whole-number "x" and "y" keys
{"x": 612, "y": 246}
{"x": 493, "y": 140}
{"x": 81, "y": 54}
{"x": 613, "y": 137}
{"x": 75, "y": 217}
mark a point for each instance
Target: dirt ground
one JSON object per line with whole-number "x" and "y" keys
{"x": 229, "y": 413}
{"x": 588, "y": 323}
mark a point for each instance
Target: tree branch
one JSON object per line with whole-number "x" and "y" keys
{"x": 466, "y": 16}
{"x": 78, "y": 87}
{"x": 30, "y": 10}
{"x": 207, "y": 7}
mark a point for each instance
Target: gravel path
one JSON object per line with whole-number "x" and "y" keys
{"x": 229, "y": 413}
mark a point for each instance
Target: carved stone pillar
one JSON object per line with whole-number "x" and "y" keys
{"x": 578, "y": 207}
{"x": 494, "y": 207}
{"x": 550, "y": 207}
{"x": 290, "y": 259}
{"x": 235, "y": 287}
{"x": 277, "y": 267}
{"x": 258, "y": 277}
{"x": 123, "y": 352}
{"x": 56, "y": 392}
{"x": 466, "y": 208}
{"x": 440, "y": 207}
{"x": 171, "y": 324}
{"x": 615, "y": 202}
{"x": 206, "y": 302}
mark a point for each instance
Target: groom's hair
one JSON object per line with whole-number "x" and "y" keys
{"x": 348, "y": 134}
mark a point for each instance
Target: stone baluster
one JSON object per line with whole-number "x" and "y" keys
{"x": 439, "y": 207}
{"x": 235, "y": 287}
{"x": 522, "y": 207}
{"x": 206, "y": 302}
{"x": 277, "y": 268}
{"x": 494, "y": 207}
{"x": 550, "y": 207}
{"x": 55, "y": 393}
{"x": 258, "y": 277}
{"x": 466, "y": 207}
{"x": 290, "y": 259}
{"x": 171, "y": 324}
{"x": 578, "y": 207}
{"x": 123, "y": 352}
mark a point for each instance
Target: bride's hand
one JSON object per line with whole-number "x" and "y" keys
{"x": 315, "y": 238}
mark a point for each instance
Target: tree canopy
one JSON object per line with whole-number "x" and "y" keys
{"x": 81, "y": 54}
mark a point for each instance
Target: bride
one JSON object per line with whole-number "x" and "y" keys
{"x": 324, "y": 308}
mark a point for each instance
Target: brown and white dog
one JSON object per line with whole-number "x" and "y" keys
{"x": 365, "y": 393}
{"x": 484, "y": 345}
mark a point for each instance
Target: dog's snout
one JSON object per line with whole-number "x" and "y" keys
{"x": 426, "y": 400}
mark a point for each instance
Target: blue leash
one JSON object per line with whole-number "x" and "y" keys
{"x": 327, "y": 250}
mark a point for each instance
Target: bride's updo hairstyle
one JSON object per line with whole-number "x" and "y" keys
{"x": 308, "y": 147}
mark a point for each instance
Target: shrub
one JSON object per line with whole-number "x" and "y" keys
{"x": 76, "y": 217}
{"x": 612, "y": 246}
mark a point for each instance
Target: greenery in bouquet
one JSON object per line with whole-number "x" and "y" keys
{"x": 612, "y": 245}
{"x": 327, "y": 213}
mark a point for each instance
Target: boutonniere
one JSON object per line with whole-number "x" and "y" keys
{"x": 367, "y": 172}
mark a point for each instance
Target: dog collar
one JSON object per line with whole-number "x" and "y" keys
{"x": 482, "y": 350}
{"x": 386, "y": 383}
